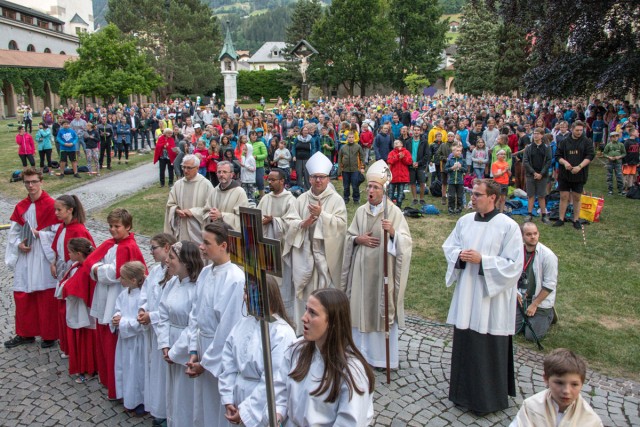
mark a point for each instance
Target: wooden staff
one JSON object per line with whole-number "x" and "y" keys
{"x": 386, "y": 288}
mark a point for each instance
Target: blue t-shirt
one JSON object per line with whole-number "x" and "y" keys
{"x": 66, "y": 136}
{"x": 464, "y": 136}
{"x": 414, "y": 149}
{"x": 597, "y": 126}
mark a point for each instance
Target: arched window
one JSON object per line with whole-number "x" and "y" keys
{"x": 47, "y": 50}
{"x": 31, "y": 48}
{"x": 62, "y": 52}
{"x": 13, "y": 45}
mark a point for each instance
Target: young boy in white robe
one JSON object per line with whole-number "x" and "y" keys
{"x": 155, "y": 376}
{"x": 129, "y": 362}
{"x": 561, "y": 404}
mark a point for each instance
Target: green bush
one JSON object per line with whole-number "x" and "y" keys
{"x": 267, "y": 83}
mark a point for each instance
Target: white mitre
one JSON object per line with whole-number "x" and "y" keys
{"x": 379, "y": 172}
{"x": 319, "y": 164}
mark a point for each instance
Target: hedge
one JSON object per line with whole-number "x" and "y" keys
{"x": 266, "y": 83}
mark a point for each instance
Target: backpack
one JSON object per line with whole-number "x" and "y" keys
{"x": 429, "y": 210}
{"x": 634, "y": 192}
{"x": 16, "y": 176}
{"x": 410, "y": 212}
{"x": 436, "y": 188}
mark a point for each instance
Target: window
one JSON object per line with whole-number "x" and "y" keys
{"x": 261, "y": 67}
{"x": 62, "y": 52}
{"x": 275, "y": 53}
{"x": 31, "y": 48}
{"x": 43, "y": 24}
{"x": 13, "y": 45}
{"x": 11, "y": 14}
{"x": 26, "y": 19}
{"x": 47, "y": 50}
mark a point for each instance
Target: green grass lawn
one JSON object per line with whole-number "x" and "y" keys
{"x": 598, "y": 289}
{"x": 9, "y": 161}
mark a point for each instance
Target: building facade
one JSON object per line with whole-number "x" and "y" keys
{"x": 77, "y": 15}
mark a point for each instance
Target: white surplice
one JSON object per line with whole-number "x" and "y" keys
{"x": 295, "y": 402}
{"x": 242, "y": 381}
{"x": 108, "y": 288}
{"x": 156, "y": 369}
{"x": 217, "y": 309}
{"x": 130, "y": 350}
{"x": 175, "y": 305}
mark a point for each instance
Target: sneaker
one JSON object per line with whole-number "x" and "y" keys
{"x": 621, "y": 193}
{"x": 415, "y": 202}
{"x": 81, "y": 379}
{"x": 577, "y": 225}
{"x": 558, "y": 223}
{"x": 545, "y": 219}
{"x": 108, "y": 167}
{"x": 18, "y": 340}
{"x": 422, "y": 202}
{"x": 63, "y": 356}
{"x": 528, "y": 218}
{"x": 76, "y": 175}
{"x": 610, "y": 193}
{"x": 47, "y": 343}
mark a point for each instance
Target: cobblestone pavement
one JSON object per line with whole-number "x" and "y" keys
{"x": 35, "y": 389}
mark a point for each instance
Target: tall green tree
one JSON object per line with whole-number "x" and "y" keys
{"x": 512, "y": 48}
{"x": 420, "y": 36}
{"x": 355, "y": 40}
{"x": 108, "y": 66}
{"x": 182, "y": 40}
{"x": 304, "y": 16}
{"x": 477, "y": 54}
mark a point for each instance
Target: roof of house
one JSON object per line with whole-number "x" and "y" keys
{"x": 77, "y": 20}
{"x": 265, "y": 53}
{"x": 227, "y": 48}
{"x": 21, "y": 59}
{"x": 28, "y": 11}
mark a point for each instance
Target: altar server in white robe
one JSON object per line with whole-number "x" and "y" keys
{"x": 156, "y": 368}
{"x": 130, "y": 350}
{"x": 306, "y": 394}
{"x": 484, "y": 254}
{"x": 363, "y": 270}
{"x": 278, "y": 212}
{"x": 178, "y": 297}
{"x": 242, "y": 381}
{"x": 317, "y": 239}
{"x": 216, "y": 310}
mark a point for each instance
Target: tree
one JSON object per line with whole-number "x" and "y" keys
{"x": 420, "y": 36}
{"x": 305, "y": 14}
{"x": 512, "y": 48}
{"x": 579, "y": 46}
{"x": 354, "y": 39}
{"x": 108, "y": 66}
{"x": 182, "y": 40}
{"x": 415, "y": 82}
{"x": 450, "y": 7}
{"x": 477, "y": 55}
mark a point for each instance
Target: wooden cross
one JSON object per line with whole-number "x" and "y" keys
{"x": 258, "y": 255}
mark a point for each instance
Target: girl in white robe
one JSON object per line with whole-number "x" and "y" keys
{"x": 178, "y": 297}
{"x": 242, "y": 381}
{"x": 129, "y": 362}
{"x": 305, "y": 393}
{"x": 156, "y": 369}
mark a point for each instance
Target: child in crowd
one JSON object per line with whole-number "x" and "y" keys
{"x": 131, "y": 347}
{"x": 480, "y": 158}
{"x": 282, "y": 157}
{"x": 456, "y": 168}
{"x": 561, "y": 403}
{"x": 614, "y": 152}
{"x": 366, "y": 140}
{"x": 598, "y": 132}
{"x": 155, "y": 377}
{"x": 202, "y": 153}
{"x": 81, "y": 333}
{"x": 105, "y": 263}
{"x": 326, "y": 143}
{"x": 212, "y": 159}
{"x": 501, "y": 172}
{"x": 248, "y": 172}
{"x": 399, "y": 160}
{"x": 631, "y": 160}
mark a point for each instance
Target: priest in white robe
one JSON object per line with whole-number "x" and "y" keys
{"x": 278, "y": 212}
{"x": 317, "y": 239}
{"x": 484, "y": 254}
{"x": 227, "y": 198}
{"x": 216, "y": 310}
{"x": 185, "y": 212}
{"x": 363, "y": 270}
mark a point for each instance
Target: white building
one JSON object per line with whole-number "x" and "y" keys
{"x": 270, "y": 56}
{"x": 77, "y": 15}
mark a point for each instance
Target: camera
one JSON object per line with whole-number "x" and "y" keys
{"x": 523, "y": 283}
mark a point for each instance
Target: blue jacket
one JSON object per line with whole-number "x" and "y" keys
{"x": 124, "y": 132}
{"x": 455, "y": 176}
{"x": 382, "y": 146}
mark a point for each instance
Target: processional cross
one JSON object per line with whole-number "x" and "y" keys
{"x": 259, "y": 256}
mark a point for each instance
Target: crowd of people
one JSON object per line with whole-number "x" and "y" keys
{"x": 170, "y": 339}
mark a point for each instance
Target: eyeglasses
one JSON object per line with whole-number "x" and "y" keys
{"x": 318, "y": 177}
{"x": 478, "y": 195}
{"x": 153, "y": 248}
{"x": 27, "y": 183}
{"x": 186, "y": 168}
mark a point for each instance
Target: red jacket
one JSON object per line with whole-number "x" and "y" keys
{"x": 163, "y": 141}
{"x": 366, "y": 139}
{"x": 25, "y": 144}
{"x": 399, "y": 166}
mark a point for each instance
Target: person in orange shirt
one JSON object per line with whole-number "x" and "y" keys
{"x": 501, "y": 172}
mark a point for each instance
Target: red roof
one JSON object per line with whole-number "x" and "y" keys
{"x": 18, "y": 58}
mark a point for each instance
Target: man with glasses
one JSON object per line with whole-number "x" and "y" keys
{"x": 317, "y": 238}
{"x": 226, "y": 199}
{"x": 278, "y": 213}
{"x": 484, "y": 254}
{"x": 185, "y": 213}
{"x": 29, "y": 254}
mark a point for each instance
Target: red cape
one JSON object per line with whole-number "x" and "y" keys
{"x": 169, "y": 144}
{"x": 128, "y": 250}
{"x": 74, "y": 229}
{"x": 45, "y": 212}
{"x": 79, "y": 285}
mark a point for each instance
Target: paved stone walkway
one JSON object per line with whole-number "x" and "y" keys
{"x": 35, "y": 389}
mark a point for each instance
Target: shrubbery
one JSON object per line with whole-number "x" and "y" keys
{"x": 270, "y": 84}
